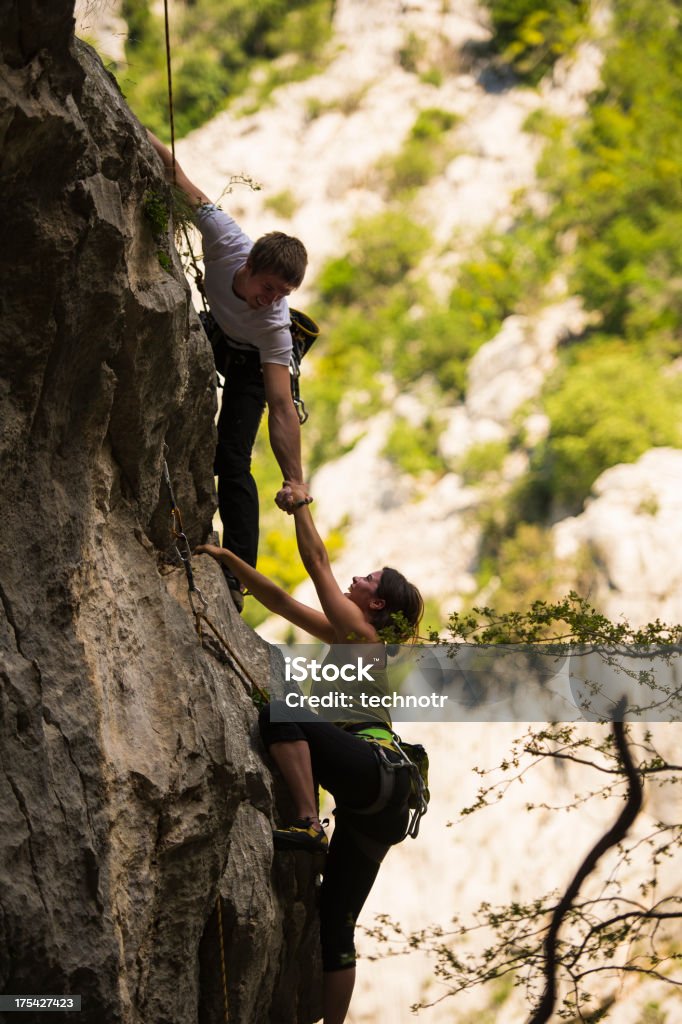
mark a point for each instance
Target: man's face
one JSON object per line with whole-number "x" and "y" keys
{"x": 260, "y": 290}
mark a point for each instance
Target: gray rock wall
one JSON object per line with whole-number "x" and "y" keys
{"x": 132, "y": 785}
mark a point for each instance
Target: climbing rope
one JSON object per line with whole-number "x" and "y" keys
{"x": 170, "y": 82}
{"x": 199, "y": 606}
{"x": 259, "y": 696}
{"x": 223, "y": 968}
{"x": 196, "y": 270}
{"x": 198, "y": 276}
{"x": 198, "y": 602}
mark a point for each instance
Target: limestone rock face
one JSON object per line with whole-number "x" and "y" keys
{"x": 631, "y": 529}
{"x": 133, "y": 788}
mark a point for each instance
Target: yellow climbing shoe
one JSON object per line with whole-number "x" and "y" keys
{"x": 302, "y": 835}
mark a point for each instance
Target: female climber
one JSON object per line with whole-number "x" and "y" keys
{"x": 353, "y": 755}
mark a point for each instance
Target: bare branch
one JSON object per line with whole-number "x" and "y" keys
{"x": 615, "y": 834}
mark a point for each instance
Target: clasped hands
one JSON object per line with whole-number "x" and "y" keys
{"x": 292, "y": 496}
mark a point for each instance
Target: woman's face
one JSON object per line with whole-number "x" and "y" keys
{"x": 362, "y": 590}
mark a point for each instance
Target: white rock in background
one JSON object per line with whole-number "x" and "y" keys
{"x": 513, "y": 367}
{"x": 103, "y": 24}
{"x": 360, "y": 482}
{"x": 633, "y": 530}
{"x": 506, "y": 372}
{"x": 462, "y": 432}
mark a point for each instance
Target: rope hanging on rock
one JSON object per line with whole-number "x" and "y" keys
{"x": 170, "y": 82}
{"x": 184, "y": 551}
{"x": 223, "y": 968}
{"x": 198, "y": 276}
{"x": 198, "y": 602}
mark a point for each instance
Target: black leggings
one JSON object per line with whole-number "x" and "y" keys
{"x": 347, "y": 767}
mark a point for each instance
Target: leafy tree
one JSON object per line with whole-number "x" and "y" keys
{"x": 382, "y": 250}
{"x": 215, "y": 46}
{"x": 608, "y": 407}
{"x": 618, "y": 188}
{"x": 532, "y": 36}
{"x": 414, "y": 448}
{"x": 557, "y": 945}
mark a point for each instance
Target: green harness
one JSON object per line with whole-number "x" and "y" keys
{"x": 413, "y": 757}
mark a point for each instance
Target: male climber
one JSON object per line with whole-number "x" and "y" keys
{"x": 246, "y": 286}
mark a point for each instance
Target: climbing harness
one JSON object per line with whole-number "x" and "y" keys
{"x": 413, "y": 757}
{"x": 304, "y": 331}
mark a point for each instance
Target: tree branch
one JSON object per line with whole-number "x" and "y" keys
{"x": 615, "y": 835}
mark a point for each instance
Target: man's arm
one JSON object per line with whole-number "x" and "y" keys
{"x": 283, "y": 425}
{"x": 194, "y": 194}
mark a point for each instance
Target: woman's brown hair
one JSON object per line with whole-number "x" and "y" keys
{"x": 403, "y": 606}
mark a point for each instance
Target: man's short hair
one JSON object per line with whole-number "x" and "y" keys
{"x": 280, "y": 254}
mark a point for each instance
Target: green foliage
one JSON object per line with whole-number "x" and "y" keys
{"x": 156, "y": 213}
{"x": 532, "y": 36}
{"x": 138, "y": 17}
{"x": 432, "y": 76}
{"x": 379, "y": 315}
{"x": 423, "y": 154}
{"x": 283, "y": 203}
{"x": 620, "y": 188}
{"x": 347, "y": 104}
{"x": 414, "y": 448}
{"x": 568, "y": 620}
{"x": 611, "y": 915}
{"x": 617, "y": 216}
{"x": 409, "y": 169}
{"x": 382, "y": 250}
{"x": 506, "y": 275}
{"x": 482, "y": 460}
{"x": 523, "y": 565}
{"x": 652, "y": 1014}
{"x": 608, "y": 407}
{"x": 215, "y": 47}
{"x": 412, "y": 52}
{"x": 432, "y": 123}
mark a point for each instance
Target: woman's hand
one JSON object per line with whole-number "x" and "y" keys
{"x": 209, "y": 549}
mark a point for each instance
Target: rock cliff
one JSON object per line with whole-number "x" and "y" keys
{"x": 133, "y": 790}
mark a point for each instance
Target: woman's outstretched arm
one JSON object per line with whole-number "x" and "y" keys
{"x": 347, "y": 620}
{"x": 271, "y": 595}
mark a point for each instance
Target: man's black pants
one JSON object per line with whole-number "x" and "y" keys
{"x": 240, "y": 416}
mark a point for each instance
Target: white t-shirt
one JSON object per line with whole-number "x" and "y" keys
{"x": 226, "y": 248}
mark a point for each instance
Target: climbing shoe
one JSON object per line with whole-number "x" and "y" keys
{"x": 302, "y": 835}
{"x": 235, "y": 586}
